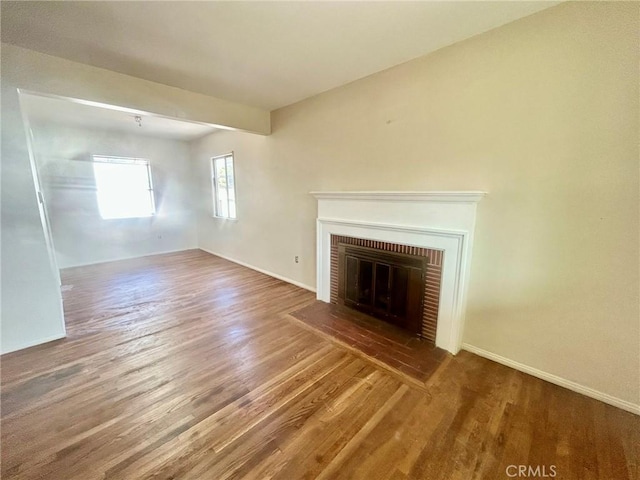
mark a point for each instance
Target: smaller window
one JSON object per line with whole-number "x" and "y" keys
{"x": 224, "y": 187}
{"x": 124, "y": 187}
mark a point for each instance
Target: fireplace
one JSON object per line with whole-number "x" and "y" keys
{"x": 382, "y": 284}
{"x": 399, "y": 284}
{"x": 441, "y": 222}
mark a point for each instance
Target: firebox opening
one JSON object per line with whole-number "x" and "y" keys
{"x": 399, "y": 284}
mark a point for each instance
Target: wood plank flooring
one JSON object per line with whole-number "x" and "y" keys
{"x": 187, "y": 366}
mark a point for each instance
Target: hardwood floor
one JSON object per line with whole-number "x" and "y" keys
{"x": 186, "y": 366}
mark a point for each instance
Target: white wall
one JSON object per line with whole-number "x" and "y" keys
{"x": 31, "y": 302}
{"x": 276, "y": 214}
{"x": 80, "y": 234}
{"x": 542, "y": 114}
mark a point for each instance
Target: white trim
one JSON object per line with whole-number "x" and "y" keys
{"x": 405, "y": 196}
{"x": 454, "y": 244}
{"x": 22, "y": 346}
{"x": 556, "y": 380}
{"x": 261, "y": 270}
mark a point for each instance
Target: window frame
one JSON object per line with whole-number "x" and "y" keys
{"x": 214, "y": 185}
{"x": 111, "y": 159}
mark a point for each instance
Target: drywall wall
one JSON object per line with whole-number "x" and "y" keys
{"x": 31, "y": 302}
{"x": 542, "y": 114}
{"x": 80, "y": 234}
{"x": 42, "y": 73}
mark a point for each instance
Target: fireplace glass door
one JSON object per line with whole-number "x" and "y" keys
{"x": 383, "y": 284}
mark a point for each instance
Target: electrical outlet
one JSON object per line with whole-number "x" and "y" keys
{"x": 295, "y": 259}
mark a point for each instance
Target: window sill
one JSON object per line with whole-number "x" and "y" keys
{"x": 224, "y": 219}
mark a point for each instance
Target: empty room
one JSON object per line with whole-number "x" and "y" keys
{"x": 320, "y": 240}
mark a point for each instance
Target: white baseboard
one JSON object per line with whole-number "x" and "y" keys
{"x": 261, "y": 270}
{"x": 549, "y": 377}
{"x": 40, "y": 341}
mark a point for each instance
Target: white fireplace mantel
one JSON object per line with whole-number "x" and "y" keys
{"x": 437, "y": 220}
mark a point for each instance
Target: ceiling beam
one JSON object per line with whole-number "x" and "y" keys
{"x": 41, "y": 73}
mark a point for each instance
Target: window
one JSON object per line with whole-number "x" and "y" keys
{"x": 124, "y": 187}
{"x": 224, "y": 188}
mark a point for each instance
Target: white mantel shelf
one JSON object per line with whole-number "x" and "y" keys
{"x": 463, "y": 196}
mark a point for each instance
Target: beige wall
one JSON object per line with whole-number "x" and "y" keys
{"x": 542, "y": 114}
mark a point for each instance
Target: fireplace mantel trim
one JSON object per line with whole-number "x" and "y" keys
{"x": 436, "y": 220}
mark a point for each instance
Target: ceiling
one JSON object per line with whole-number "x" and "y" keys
{"x": 43, "y": 109}
{"x": 264, "y": 54}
